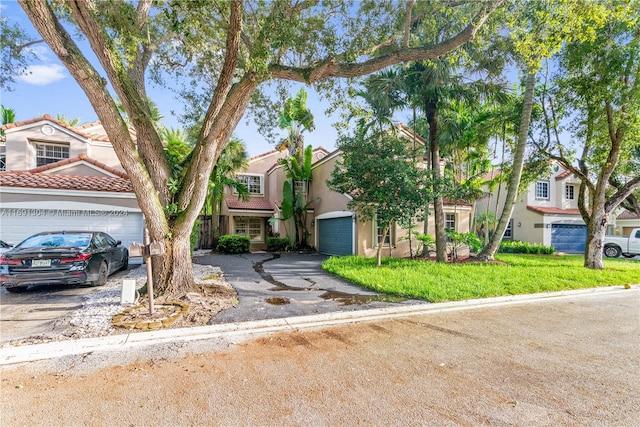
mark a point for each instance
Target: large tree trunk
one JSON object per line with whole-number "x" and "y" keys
{"x": 596, "y": 230}
{"x": 490, "y": 249}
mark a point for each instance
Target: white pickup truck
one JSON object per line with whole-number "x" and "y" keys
{"x": 628, "y": 247}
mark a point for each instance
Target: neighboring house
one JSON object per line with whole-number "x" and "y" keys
{"x": 546, "y": 213}
{"x": 624, "y": 223}
{"x": 334, "y": 228}
{"x": 56, "y": 177}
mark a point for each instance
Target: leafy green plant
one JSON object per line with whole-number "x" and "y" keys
{"x": 233, "y": 244}
{"x": 195, "y": 233}
{"x": 457, "y": 241}
{"x": 278, "y": 244}
{"x": 518, "y": 247}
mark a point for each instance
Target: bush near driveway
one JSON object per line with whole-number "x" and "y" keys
{"x": 234, "y": 244}
{"x": 511, "y": 275}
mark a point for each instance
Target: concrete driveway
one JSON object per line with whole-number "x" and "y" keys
{"x": 292, "y": 284}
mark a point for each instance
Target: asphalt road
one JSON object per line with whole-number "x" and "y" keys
{"x": 40, "y": 310}
{"x": 571, "y": 361}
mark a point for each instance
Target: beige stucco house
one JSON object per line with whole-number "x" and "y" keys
{"x": 57, "y": 177}
{"x": 334, "y": 228}
{"x": 546, "y": 213}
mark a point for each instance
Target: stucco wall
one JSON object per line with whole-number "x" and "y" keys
{"x": 21, "y": 142}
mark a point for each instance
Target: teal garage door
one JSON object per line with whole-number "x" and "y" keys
{"x": 568, "y": 237}
{"x": 335, "y": 236}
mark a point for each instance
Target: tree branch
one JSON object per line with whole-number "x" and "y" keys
{"x": 330, "y": 67}
{"x": 622, "y": 193}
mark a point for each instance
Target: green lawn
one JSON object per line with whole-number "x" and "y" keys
{"x": 521, "y": 274}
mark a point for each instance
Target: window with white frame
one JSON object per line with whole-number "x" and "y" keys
{"x": 569, "y": 192}
{"x": 450, "y": 221}
{"x": 388, "y": 240}
{"x": 3, "y": 157}
{"x": 250, "y": 226}
{"x": 542, "y": 190}
{"x": 508, "y": 232}
{"x": 50, "y": 153}
{"x": 253, "y": 183}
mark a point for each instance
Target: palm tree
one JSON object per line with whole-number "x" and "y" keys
{"x": 295, "y": 203}
{"x": 297, "y": 118}
{"x": 69, "y": 122}
{"x": 8, "y": 116}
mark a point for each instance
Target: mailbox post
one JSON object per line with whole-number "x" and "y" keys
{"x": 147, "y": 250}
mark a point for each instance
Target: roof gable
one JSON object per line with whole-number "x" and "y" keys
{"x": 81, "y": 159}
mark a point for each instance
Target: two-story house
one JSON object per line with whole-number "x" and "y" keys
{"x": 334, "y": 228}
{"x": 546, "y": 213}
{"x": 57, "y": 177}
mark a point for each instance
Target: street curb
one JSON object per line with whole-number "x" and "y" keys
{"x": 246, "y": 330}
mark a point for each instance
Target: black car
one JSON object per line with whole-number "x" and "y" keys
{"x": 62, "y": 258}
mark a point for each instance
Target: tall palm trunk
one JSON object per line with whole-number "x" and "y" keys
{"x": 490, "y": 249}
{"x": 431, "y": 110}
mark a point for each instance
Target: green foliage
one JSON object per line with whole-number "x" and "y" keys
{"x": 234, "y": 244}
{"x": 195, "y": 233}
{"x": 518, "y": 247}
{"x": 510, "y": 275}
{"x": 426, "y": 243}
{"x": 8, "y": 116}
{"x": 278, "y": 244}
{"x": 457, "y": 241}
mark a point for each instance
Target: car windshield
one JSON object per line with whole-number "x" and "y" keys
{"x": 56, "y": 241}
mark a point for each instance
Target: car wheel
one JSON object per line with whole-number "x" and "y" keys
{"x": 17, "y": 289}
{"x": 612, "y": 251}
{"x": 102, "y": 275}
{"x": 125, "y": 264}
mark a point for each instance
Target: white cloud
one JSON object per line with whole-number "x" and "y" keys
{"x": 40, "y": 51}
{"x": 42, "y": 75}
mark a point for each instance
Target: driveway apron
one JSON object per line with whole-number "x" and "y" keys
{"x": 271, "y": 286}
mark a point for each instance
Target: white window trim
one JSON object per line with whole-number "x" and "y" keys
{"x": 390, "y": 233}
{"x": 455, "y": 220}
{"x": 548, "y": 185}
{"x": 573, "y": 191}
{"x": 260, "y": 219}
{"x": 49, "y": 144}
{"x": 510, "y": 230}
{"x": 261, "y": 176}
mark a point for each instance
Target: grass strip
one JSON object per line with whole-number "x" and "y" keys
{"x": 517, "y": 274}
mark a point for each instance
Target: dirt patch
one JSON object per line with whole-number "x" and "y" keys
{"x": 190, "y": 309}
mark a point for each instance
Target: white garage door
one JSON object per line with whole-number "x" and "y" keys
{"x": 19, "y": 222}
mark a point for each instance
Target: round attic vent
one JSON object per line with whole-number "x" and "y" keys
{"x": 47, "y": 130}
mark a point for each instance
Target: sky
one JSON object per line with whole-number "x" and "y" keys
{"x": 49, "y": 88}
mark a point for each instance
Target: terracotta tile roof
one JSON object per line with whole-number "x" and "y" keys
{"x": 46, "y": 117}
{"x": 29, "y": 179}
{"x": 79, "y": 158}
{"x": 628, "y": 215}
{"x": 564, "y": 174}
{"x": 255, "y": 205}
{"x": 267, "y": 154}
{"x": 554, "y": 211}
{"x": 450, "y": 202}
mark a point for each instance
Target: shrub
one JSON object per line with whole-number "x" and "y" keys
{"x": 518, "y": 247}
{"x": 278, "y": 244}
{"x": 195, "y": 233}
{"x": 233, "y": 244}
